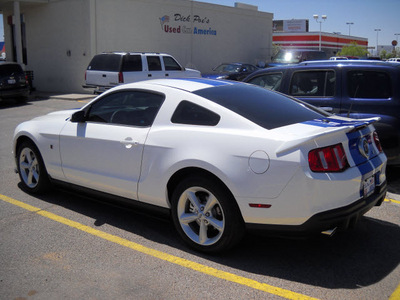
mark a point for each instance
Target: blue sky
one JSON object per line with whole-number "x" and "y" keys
{"x": 367, "y": 15}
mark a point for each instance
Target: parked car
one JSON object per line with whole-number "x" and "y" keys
{"x": 109, "y": 69}
{"x": 220, "y": 156}
{"x": 13, "y": 82}
{"x": 232, "y": 71}
{"x": 338, "y": 58}
{"x": 295, "y": 56}
{"x": 356, "y": 89}
{"x": 394, "y": 59}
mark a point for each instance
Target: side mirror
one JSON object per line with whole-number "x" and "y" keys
{"x": 78, "y": 117}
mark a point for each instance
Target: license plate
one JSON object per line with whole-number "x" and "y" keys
{"x": 11, "y": 81}
{"x": 369, "y": 186}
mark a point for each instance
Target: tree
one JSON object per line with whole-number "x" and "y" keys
{"x": 353, "y": 49}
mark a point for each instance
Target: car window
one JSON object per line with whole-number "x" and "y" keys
{"x": 135, "y": 108}
{"x": 261, "y": 106}
{"x": 369, "y": 84}
{"x": 171, "y": 64}
{"x": 193, "y": 114}
{"x": 132, "y": 63}
{"x": 10, "y": 69}
{"x": 313, "y": 84}
{"x": 271, "y": 81}
{"x": 154, "y": 63}
{"x": 106, "y": 62}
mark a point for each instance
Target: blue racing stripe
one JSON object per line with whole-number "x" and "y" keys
{"x": 211, "y": 82}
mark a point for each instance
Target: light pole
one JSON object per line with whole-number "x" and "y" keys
{"x": 397, "y": 36}
{"x": 316, "y": 17}
{"x": 349, "y": 23}
{"x": 377, "y": 34}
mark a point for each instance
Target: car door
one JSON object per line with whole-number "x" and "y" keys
{"x": 367, "y": 92}
{"x": 105, "y": 151}
{"x": 317, "y": 87}
{"x": 172, "y": 68}
{"x": 155, "y": 70}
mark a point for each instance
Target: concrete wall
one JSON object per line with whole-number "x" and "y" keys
{"x": 62, "y": 36}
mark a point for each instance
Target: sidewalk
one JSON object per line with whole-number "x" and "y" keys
{"x": 36, "y": 95}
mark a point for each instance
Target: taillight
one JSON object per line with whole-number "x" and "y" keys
{"x": 328, "y": 159}
{"x": 120, "y": 77}
{"x": 377, "y": 142}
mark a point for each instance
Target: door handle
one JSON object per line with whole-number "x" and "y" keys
{"x": 166, "y": 75}
{"x": 104, "y": 75}
{"x": 129, "y": 143}
{"x": 149, "y": 75}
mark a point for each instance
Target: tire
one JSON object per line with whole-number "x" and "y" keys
{"x": 206, "y": 215}
{"x": 31, "y": 169}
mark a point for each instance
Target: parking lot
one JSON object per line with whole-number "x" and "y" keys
{"x": 64, "y": 245}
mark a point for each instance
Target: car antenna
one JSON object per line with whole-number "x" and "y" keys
{"x": 351, "y": 105}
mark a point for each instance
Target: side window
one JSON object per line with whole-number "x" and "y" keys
{"x": 132, "y": 63}
{"x": 171, "y": 64}
{"x": 193, "y": 114}
{"x": 134, "y": 108}
{"x": 369, "y": 84}
{"x": 154, "y": 63}
{"x": 105, "y": 62}
{"x": 313, "y": 84}
{"x": 271, "y": 81}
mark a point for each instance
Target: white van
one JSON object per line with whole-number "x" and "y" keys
{"x": 107, "y": 70}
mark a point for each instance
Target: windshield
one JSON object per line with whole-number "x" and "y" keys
{"x": 266, "y": 108}
{"x": 227, "y": 68}
{"x": 288, "y": 57}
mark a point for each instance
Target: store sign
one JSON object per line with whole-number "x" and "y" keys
{"x": 186, "y": 24}
{"x": 294, "y": 25}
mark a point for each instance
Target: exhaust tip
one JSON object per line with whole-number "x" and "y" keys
{"x": 329, "y": 232}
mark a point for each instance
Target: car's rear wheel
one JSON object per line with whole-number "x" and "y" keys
{"x": 206, "y": 215}
{"x": 31, "y": 169}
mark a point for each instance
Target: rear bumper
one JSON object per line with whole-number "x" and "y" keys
{"x": 341, "y": 218}
{"x": 14, "y": 93}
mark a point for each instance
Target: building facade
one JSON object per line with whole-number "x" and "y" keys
{"x": 57, "y": 39}
{"x": 331, "y": 43}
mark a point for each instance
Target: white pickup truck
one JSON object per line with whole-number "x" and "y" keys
{"x": 109, "y": 69}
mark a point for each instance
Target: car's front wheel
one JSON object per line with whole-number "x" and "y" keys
{"x": 31, "y": 169}
{"x": 206, "y": 215}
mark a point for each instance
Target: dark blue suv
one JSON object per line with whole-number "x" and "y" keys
{"x": 356, "y": 89}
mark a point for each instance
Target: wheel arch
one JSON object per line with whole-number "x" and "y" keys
{"x": 196, "y": 171}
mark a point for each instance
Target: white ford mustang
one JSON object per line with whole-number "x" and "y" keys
{"x": 221, "y": 156}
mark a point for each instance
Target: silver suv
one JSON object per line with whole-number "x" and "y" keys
{"x": 107, "y": 70}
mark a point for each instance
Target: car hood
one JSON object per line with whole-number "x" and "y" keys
{"x": 216, "y": 75}
{"x": 57, "y": 115}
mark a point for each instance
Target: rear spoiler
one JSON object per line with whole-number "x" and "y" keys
{"x": 335, "y": 126}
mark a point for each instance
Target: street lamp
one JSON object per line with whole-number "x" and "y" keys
{"x": 316, "y": 17}
{"x": 377, "y": 34}
{"x": 397, "y": 36}
{"x": 349, "y": 23}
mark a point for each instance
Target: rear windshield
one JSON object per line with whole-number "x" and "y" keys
{"x": 265, "y": 108}
{"x": 106, "y": 62}
{"x": 10, "y": 69}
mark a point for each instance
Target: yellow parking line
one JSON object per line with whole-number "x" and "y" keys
{"x": 161, "y": 255}
{"x": 392, "y": 200}
{"x": 396, "y": 294}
